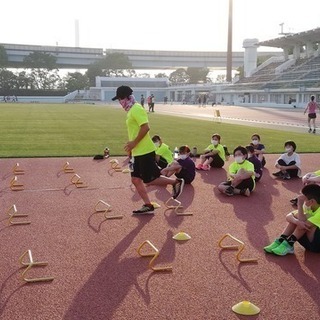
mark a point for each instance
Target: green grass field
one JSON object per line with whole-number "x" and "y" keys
{"x": 49, "y": 130}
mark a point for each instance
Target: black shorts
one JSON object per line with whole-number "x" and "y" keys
{"x": 185, "y": 175}
{"x": 314, "y": 245}
{"x": 145, "y": 167}
{"x": 163, "y": 163}
{"x": 244, "y": 184}
{"x": 312, "y": 115}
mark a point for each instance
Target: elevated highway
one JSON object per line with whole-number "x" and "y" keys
{"x": 81, "y": 58}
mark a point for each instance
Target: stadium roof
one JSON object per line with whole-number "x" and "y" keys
{"x": 291, "y": 40}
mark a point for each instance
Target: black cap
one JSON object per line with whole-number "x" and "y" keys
{"x": 122, "y": 92}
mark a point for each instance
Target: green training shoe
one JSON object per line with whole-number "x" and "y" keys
{"x": 272, "y": 246}
{"x": 283, "y": 249}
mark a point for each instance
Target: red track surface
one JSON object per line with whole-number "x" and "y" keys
{"x": 98, "y": 273}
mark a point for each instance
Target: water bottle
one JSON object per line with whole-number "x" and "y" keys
{"x": 176, "y": 153}
{"x": 194, "y": 151}
{"x": 106, "y": 153}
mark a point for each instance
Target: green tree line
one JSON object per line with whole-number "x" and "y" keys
{"x": 39, "y": 71}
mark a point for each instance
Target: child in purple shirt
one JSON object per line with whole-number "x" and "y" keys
{"x": 259, "y": 148}
{"x": 256, "y": 163}
{"x": 183, "y": 167}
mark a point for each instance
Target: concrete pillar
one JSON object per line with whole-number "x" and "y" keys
{"x": 250, "y": 56}
{"x": 296, "y": 51}
{"x": 98, "y": 81}
{"x": 286, "y": 53}
{"x": 309, "y": 49}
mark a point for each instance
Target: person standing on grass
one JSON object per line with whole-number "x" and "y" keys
{"x": 153, "y": 100}
{"x": 149, "y": 103}
{"x": 311, "y": 109}
{"x": 142, "y": 149}
{"x": 142, "y": 100}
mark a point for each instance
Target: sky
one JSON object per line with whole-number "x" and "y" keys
{"x": 153, "y": 25}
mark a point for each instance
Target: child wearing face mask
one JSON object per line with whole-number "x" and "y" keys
{"x": 308, "y": 178}
{"x": 183, "y": 167}
{"x": 241, "y": 175}
{"x": 289, "y": 162}
{"x": 214, "y": 155}
{"x": 163, "y": 152}
{"x": 256, "y": 163}
{"x": 303, "y": 224}
{"x": 259, "y": 148}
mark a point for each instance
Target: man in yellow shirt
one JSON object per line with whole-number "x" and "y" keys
{"x": 142, "y": 149}
{"x": 303, "y": 224}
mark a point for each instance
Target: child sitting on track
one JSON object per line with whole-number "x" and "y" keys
{"x": 183, "y": 167}
{"x": 214, "y": 155}
{"x": 256, "y": 163}
{"x": 259, "y": 149}
{"x": 289, "y": 162}
{"x": 309, "y": 178}
{"x": 241, "y": 175}
{"x": 303, "y": 224}
{"x": 163, "y": 152}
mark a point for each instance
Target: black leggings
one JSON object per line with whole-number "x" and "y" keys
{"x": 217, "y": 162}
{"x": 292, "y": 172}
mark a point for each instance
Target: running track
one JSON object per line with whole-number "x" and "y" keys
{"x": 288, "y": 119}
{"x": 98, "y": 273}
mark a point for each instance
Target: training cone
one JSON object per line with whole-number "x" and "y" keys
{"x": 245, "y": 308}
{"x": 181, "y": 236}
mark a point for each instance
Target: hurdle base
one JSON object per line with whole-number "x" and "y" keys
{"x": 239, "y": 247}
{"x": 154, "y": 255}
{"x": 30, "y": 265}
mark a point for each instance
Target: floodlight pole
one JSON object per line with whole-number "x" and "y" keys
{"x": 229, "y": 51}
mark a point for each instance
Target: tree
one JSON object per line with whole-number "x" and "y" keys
{"x": 113, "y": 65}
{"x": 40, "y": 60}
{"x": 117, "y": 64}
{"x": 7, "y": 79}
{"x": 23, "y": 80}
{"x": 94, "y": 70}
{"x": 76, "y": 81}
{"x": 161, "y": 75}
{"x": 197, "y": 75}
{"x": 3, "y": 57}
{"x": 240, "y": 71}
{"x": 262, "y": 59}
{"x": 144, "y": 75}
{"x": 221, "y": 78}
{"x": 179, "y": 76}
{"x": 42, "y": 79}
{"x": 44, "y": 71}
